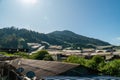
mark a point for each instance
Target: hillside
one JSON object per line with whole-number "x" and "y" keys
{"x": 18, "y": 38}
{"x": 75, "y": 40}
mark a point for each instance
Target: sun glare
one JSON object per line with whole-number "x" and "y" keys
{"x": 29, "y": 1}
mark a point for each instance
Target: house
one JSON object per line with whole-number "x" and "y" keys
{"x": 88, "y": 50}
{"x": 55, "y": 47}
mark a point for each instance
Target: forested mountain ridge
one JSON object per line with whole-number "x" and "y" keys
{"x": 76, "y": 40}
{"x": 18, "y": 38}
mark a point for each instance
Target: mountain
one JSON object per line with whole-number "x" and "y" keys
{"x": 75, "y": 40}
{"x": 18, "y": 38}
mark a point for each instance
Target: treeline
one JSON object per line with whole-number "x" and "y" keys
{"x": 12, "y": 37}
{"x": 18, "y": 38}
{"x": 111, "y": 68}
{"x": 74, "y": 40}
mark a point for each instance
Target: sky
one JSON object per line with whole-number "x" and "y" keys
{"x": 92, "y": 18}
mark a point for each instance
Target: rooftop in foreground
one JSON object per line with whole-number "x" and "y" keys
{"x": 53, "y": 68}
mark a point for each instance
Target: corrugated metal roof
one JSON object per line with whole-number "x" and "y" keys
{"x": 45, "y": 68}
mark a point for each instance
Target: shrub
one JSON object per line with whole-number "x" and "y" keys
{"x": 76, "y": 59}
{"x": 40, "y": 55}
{"x": 22, "y": 54}
{"x": 48, "y": 57}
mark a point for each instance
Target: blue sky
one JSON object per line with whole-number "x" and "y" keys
{"x": 93, "y": 18}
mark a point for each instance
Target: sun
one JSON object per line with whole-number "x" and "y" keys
{"x": 29, "y": 2}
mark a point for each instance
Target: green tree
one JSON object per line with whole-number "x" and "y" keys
{"x": 98, "y": 59}
{"x": 40, "y": 55}
{"x": 22, "y": 54}
{"x": 112, "y": 68}
{"x": 101, "y": 65}
{"x": 76, "y": 59}
{"x": 48, "y": 57}
{"x": 95, "y": 62}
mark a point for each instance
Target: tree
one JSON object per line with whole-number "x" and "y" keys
{"x": 48, "y": 57}
{"x": 112, "y": 68}
{"x": 76, "y": 59}
{"x": 91, "y": 64}
{"x": 98, "y": 59}
{"x": 40, "y": 55}
{"x": 95, "y": 62}
{"x": 22, "y": 54}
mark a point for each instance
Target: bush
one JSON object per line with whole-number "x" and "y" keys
{"x": 98, "y": 63}
{"x": 91, "y": 64}
{"x": 76, "y": 59}
{"x": 112, "y": 68}
{"x": 95, "y": 62}
{"x": 22, "y": 54}
{"x": 41, "y": 55}
{"x": 48, "y": 57}
{"x": 6, "y": 54}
